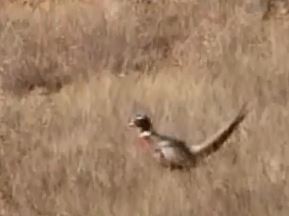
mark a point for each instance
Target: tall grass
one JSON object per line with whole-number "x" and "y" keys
{"x": 188, "y": 64}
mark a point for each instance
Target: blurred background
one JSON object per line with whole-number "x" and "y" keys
{"x": 73, "y": 72}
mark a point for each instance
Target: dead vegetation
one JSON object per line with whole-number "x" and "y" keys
{"x": 189, "y": 64}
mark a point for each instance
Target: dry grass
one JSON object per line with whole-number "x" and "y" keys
{"x": 189, "y": 65}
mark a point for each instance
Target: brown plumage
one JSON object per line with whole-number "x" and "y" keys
{"x": 175, "y": 153}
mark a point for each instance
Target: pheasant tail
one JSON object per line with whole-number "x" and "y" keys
{"x": 214, "y": 142}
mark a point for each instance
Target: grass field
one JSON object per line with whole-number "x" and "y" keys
{"x": 73, "y": 73}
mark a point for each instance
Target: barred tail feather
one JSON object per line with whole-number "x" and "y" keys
{"x": 214, "y": 142}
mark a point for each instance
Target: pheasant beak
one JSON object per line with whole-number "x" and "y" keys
{"x": 131, "y": 124}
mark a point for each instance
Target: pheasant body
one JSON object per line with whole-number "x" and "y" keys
{"x": 175, "y": 153}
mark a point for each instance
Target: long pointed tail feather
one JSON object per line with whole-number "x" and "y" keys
{"x": 214, "y": 142}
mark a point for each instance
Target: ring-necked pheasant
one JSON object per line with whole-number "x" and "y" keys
{"x": 176, "y": 154}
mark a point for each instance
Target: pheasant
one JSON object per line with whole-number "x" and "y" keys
{"x": 174, "y": 153}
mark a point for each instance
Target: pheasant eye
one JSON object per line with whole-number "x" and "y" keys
{"x": 139, "y": 122}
